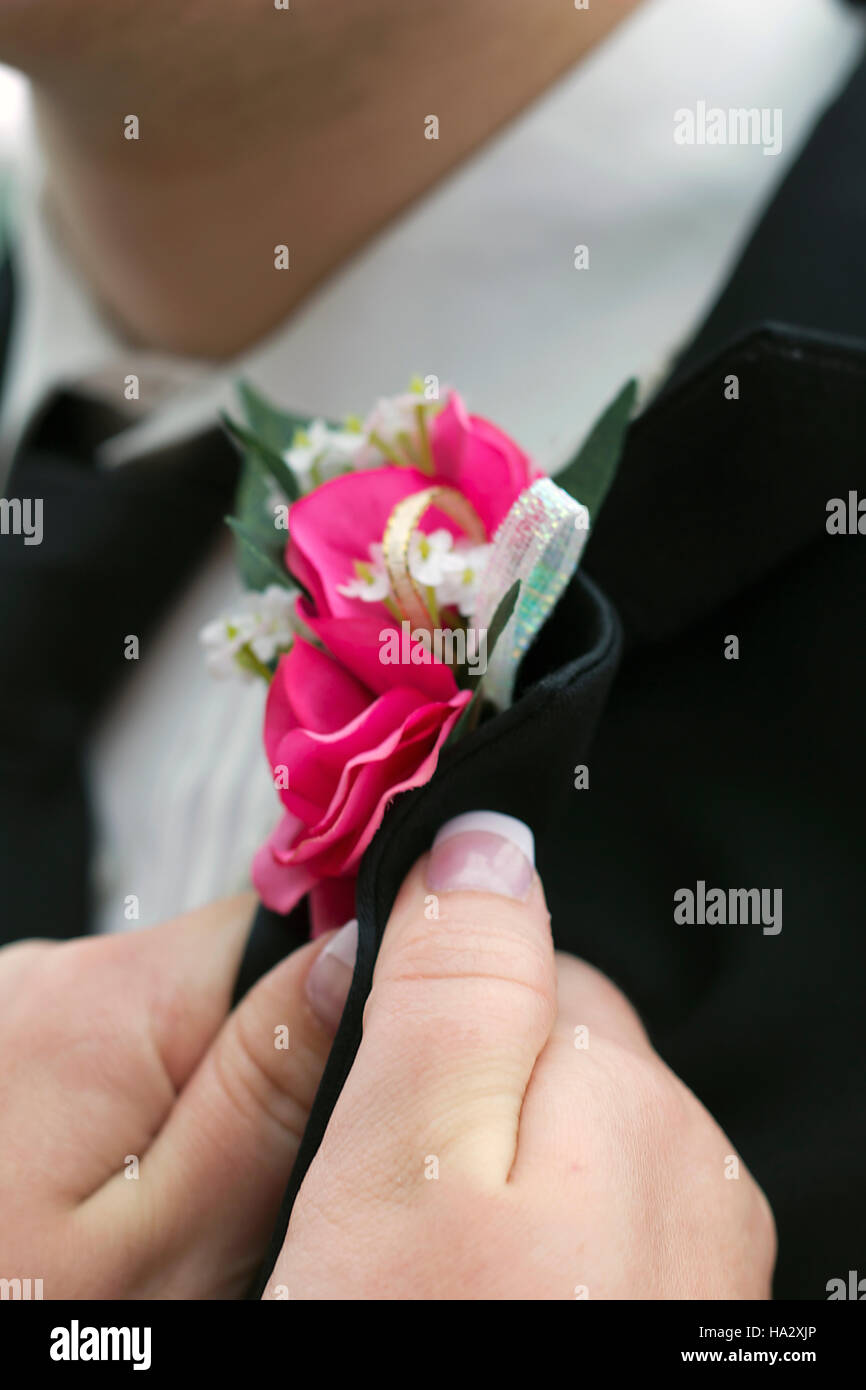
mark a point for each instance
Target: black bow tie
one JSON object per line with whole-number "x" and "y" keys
{"x": 115, "y": 548}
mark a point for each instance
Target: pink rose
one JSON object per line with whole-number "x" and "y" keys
{"x": 336, "y": 524}
{"x": 347, "y": 750}
{"x": 479, "y": 460}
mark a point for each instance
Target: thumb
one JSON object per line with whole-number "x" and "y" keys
{"x": 218, "y": 1168}
{"x": 462, "y": 1003}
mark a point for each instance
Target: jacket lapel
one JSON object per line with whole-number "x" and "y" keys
{"x": 715, "y": 493}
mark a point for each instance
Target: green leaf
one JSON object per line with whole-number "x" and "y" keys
{"x": 258, "y": 568}
{"x": 275, "y": 428}
{"x": 254, "y": 450}
{"x": 504, "y": 610}
{"x": 252, "y": 512}
{"x": 592, "y": 470}
{"x": 472, "y": 710}
{"x": 262, "y": 442}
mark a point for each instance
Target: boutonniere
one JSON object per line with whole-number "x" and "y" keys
{"x": 397, "y": 570}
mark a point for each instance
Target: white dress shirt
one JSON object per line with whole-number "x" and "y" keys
{"x": 477, "y": 284}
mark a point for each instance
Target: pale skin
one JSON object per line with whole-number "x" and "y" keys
{"x": 262, "y": 127}
{"x": 305, "y": 127}
{"x": 119, "y": 1048}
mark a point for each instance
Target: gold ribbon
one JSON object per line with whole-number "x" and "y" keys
{"x": 399, "y": 530}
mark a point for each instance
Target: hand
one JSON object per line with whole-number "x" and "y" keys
{"x": 117, "y": 1057}
{"x": 477, "y": 1152}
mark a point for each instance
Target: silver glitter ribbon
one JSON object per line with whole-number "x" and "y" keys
{"x": 539, "y": 542}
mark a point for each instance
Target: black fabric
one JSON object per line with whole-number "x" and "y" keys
{"x": 271, "y": 938}
{"x": 745, "y": 773}
{"x": 117, "y": 545}
{"x": 715, "y": 494}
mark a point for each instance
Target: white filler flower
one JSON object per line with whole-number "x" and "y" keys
{"x": 371, "y": 581}
{"x": 241, "y": 643}
{"x": 395, "y": 431}
{"x": 463, "y": 572}
{"x": 319, "y": 453}
{"x": 428, "y": 556}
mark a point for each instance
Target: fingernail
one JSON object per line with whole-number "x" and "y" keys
{"x": 331, "y": 974}
{"x": 485, "y": 852}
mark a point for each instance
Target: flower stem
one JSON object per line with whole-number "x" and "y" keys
{"x": 247, "y": 659}
{"x": 378, "y": 443}
{"x": 427, "y": 465}
{"x": 392, "y": 608}
{"x": 405, "y": 442}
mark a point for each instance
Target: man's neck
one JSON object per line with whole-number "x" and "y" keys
{"x": 307, "y": 128}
